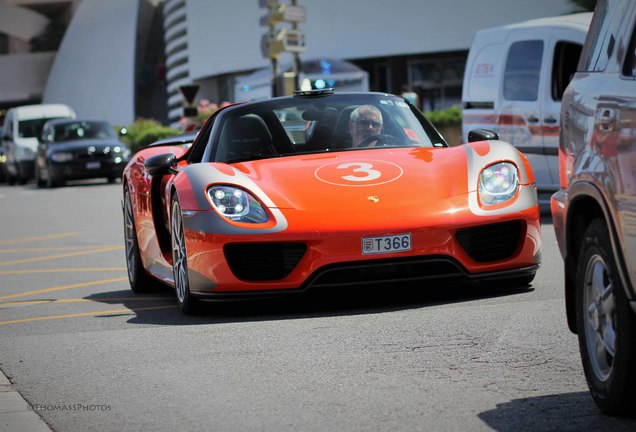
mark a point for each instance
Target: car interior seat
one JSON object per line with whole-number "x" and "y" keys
{"x": 341, "y": 132}
{"x": 249, "y": 138}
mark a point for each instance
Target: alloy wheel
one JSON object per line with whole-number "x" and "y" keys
{"x": 600, "y": 318}
{"x": 179, "y": 259}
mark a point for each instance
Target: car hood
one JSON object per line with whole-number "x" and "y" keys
{"x": 345, "y": 181}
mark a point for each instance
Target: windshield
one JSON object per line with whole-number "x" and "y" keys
{"x": 287, "y": 126}
{"x": 82, "y": 130}
{"x": 32, "y": 128}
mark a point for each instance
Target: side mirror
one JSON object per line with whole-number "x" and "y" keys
{"x": 161, "y": 164}
{"x": 482, "y": 135}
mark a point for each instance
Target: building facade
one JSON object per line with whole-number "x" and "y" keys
{"x": 121, "y": 59}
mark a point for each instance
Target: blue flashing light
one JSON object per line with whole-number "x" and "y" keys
{"x": 320, "y": 84}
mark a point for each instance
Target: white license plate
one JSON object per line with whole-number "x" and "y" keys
{"x": 386, "y": 244}
{"x": 93, "y": 165}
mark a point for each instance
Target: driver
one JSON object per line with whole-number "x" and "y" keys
{"x": 364, "y": 122}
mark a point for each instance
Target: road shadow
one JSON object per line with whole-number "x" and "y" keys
{"x": 567, "y": 412}
{"x": 160, "y": 307}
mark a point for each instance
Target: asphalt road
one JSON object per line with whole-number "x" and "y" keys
{"x": 88, "y": 354}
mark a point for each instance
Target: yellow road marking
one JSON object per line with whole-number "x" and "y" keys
{"x": 8, "y": 251}
{"x": 47, "y": 290}
{"x": 69, "y": 270}
{"x": 82, "y": 300}
{"x": 32, "y": 239}
{"x": 29, "y": 260}
{"x": 108, "y": 312}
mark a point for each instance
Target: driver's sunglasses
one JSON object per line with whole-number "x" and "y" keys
{"x": 367, "y": 123}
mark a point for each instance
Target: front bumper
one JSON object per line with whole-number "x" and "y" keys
{"x": 79, "y": 170}
{"x": 334, "y": 256}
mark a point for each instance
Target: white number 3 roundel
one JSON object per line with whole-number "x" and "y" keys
{"x": 359, "y": 173}
{"x": 360, "y": 167}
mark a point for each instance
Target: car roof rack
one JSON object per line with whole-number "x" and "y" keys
{"x": 317, "y": 92}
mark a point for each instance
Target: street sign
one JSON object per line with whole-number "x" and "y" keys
{"x": 272, "y": 43}
{"x": 281, "y": 12}
{"x": 189, "y": 92}
{"x": 294, "y": 14}
{"x": 295, "y": 41}
{"x": 275, "y": 42}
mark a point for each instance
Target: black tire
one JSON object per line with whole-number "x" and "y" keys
{"x": 20, "y": 179}
{"x": 112, "y": 180}
{"x": 51, "y": 182}
{"x": 606, "y": 325}
{"x": 38, "y": 176}
{"x": 188, "y": 304}
{"x": 139, "y": 280}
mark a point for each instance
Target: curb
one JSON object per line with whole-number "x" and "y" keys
{"x": 14, "y": 414}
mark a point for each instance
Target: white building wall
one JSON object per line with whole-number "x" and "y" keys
{"x": 224, "y": 36}
{"x": 94, "y": 70}
{"x": 23, "y": 76}
{"x": 21, "y": 23}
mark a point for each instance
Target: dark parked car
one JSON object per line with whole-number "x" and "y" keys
{"x": 3, "y": 161}
{"x": 594, "y": 212}
{"x": 73, "y": 149}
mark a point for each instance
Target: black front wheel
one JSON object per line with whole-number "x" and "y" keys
{"x": 188, "y": 304}
{"x": 606, "y": 325}
{"x": 51, "y": 181}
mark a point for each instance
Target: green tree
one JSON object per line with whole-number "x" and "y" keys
{"x": 584, "y": 5}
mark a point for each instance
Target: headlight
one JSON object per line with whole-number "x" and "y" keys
{"x": 498, "y": 183}
{"x": 237, "y": 204}
{"x": 62, "y": 157}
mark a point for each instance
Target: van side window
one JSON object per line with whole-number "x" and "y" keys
{"x": 566, "y": 58}
{"x": 523, "y": 68}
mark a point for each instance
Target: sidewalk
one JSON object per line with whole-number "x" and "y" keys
{"x": 14, "y": 415}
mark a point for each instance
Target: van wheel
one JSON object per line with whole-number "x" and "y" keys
{"x": 20, "y": 176}
{"x": 606, "y": 325}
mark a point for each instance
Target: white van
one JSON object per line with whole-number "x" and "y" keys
{"x": 20, "y": 137}
{"x": 514, "y": 79}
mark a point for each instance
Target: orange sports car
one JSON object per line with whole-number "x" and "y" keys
{"x": 321, "y": 189}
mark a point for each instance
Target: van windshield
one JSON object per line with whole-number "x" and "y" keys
{"x": 32, "y": 128}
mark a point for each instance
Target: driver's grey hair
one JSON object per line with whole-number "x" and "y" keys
{"x": 365, "y": 109}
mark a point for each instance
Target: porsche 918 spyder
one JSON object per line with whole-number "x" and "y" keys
{"x": 321, "y": 189}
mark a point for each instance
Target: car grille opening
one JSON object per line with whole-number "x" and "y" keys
{"x": 388, "y": 270}
{"x": 493, "y": 242}
{"x": 263, "y": 261}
